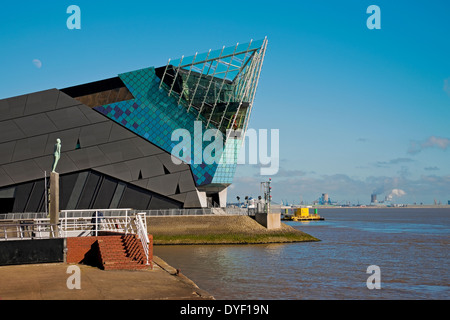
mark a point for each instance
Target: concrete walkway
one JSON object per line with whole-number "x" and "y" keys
{"x": 49, "y": 282}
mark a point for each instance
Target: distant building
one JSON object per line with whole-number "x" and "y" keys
{"x": 373, "y": 198}
{"x": 324, "y": 199}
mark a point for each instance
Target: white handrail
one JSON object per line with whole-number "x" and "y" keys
{"x": 141, "y": 225}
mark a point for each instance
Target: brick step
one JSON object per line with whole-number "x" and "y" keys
{"x": 121, "y": 251}
{"x": 121, "y": 247}
{"x": 124, "y": 263}
{"x": 114, "y": 258}
{"x": 115, "y": 261}
{"x": 121, "y": 263}
{"x": 124, "y": 253}
{"x": 126, "y": 268}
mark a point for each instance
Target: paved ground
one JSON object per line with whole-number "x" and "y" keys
{"x": 49, "y": 282}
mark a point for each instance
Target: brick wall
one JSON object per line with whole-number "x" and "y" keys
{"x": 78, "y": 248}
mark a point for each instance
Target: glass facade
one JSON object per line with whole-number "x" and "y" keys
{"x": 215, "y": 89}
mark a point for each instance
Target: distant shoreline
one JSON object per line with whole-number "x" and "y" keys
{"x": 278, "y": 207}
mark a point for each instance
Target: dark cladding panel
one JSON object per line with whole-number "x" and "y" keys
{"x": 186, "y": 182}
{"x": 148, "y": 167}
{"x": 192, "y": 200}
{"x": 95, "y": 134}
{"x": 35, "y": 124}
{"x": 66, "y": 187}
{"x": 119, "y": 133}
{"x": 140, "y": 183}
{"x": 12, "y": 107}
{"x": 5, "y": 180}
{"x": 23, "y": 171}
{"x": 135, "y": 198}
{"x": 68, "y": 118}
{"x": 165, "y": 185}
{"x": 29, "y": 148}
{"x": 105, "y": 194}
{"x": 119, "y": 151}
{"x": 36, "y": 197}
{"x": 6, "y": 151}
{"x": 69, "y": 139}
{"x": 65, "y": 101}
{"x": 89, "y": 191}
{"x": 161, "y": 203}
{"x": 179, "y": 197}
{"x": 65, "y": 165}
{"x": 117, "y": 170}
{"x": 77, "y": 190}
{"x": 166, "y": 158}
{"x": 9, "y": 130}
{"x": 22, "y": 195}
{"x": 41, "y": 101}
{"x": 117, "y": 195}
{"x": 145, "y": 147}
{"x": 87, "y": 158}
{"x": 92, "y": 115}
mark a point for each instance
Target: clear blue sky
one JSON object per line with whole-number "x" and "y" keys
{"x": 358, "y": 110}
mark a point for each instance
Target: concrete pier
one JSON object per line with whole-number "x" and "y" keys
{"x": 271, "y": 221}
{"x": 54, "y": 198}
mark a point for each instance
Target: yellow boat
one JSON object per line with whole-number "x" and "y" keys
{"x": 302, "y": 214}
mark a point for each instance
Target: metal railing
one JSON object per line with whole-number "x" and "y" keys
{"x": 90, "y": 222}
{"x": 181, "y": 212}
{"x": 141, "y": 226}
{"x": 29, "y": 230}
{"x": 93, "y": 212}
{"x": 199, "y": 212}
{"x": 22, "y": 216}
{"x": 128, "y": 212}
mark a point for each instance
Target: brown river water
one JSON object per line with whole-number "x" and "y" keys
{"x": 410, "y": 247}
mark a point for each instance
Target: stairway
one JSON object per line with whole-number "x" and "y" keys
{"x": 122, "y": 253}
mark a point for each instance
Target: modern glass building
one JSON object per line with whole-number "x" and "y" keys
{"x": 117, "y": 135}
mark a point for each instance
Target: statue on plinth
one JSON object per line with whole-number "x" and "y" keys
{"x": 56, "y": 154}
{"x": 54, "y": 191}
